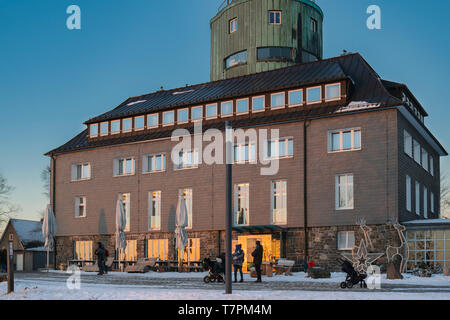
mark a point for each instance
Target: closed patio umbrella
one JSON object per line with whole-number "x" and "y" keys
{"x": 121, "y": 222}
{"x": 180, "y": 230}
{"x": 49, "y": 230}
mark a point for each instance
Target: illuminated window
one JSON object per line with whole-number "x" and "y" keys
{"x": 192, "y": 250}
{"x": 241, "y": 204}
{"x": 83, "y": 250}
{"x": 158, "y": 248}
{"x": 154, "y": 212}
{"x": 344, "y": 192}
{"x": 130, "y": 252}
{"x": 187, "y": 194}
{"x": 279, "y": 202}
{"x": 127, "y": 207}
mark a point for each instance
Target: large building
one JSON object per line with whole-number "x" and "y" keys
{"x": 351, "y": 145}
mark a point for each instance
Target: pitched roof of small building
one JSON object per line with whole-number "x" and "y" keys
{"x": 29, "y": 232}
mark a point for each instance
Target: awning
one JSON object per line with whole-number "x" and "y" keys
{"x": 263, "y": 228}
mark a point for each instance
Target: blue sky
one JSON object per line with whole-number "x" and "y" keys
{"x": 53, "y": 79}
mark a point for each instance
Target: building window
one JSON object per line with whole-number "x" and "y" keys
{"x": 279, "y": 202}
{"x": 127, "y": 125}
{"x": 432, "y": 166}
{"x": 344, "y": 192}
{"x": 408, "y": 144}
{"x": 432, "y": 202}
{"x": 233, "y": 25}
{"x": 333, "y": 92}
{"x": 187, "y": 194}
{"x": 241, "y": 203}
{"x": 80, "y": 207}
{"x": 295, "y": 98}
{"x": 124, "y": 167}
{"x": 242, "y": 106}
{"x": 425, "y": 202}
{"x": 115, "y": 126}
{"x": 130, "y": 252}
{"x": 158, "y": 248}
{"x": 154, "y": 163}
{"x": 126, "y": 199}
{"x": 245, "y": 153}
{"x": 197, "y": 113}
{"x": 258, "y": 104}
{"x": 81, "y": 172}
{"x": 227, "y": 108}
{"x": 408, "y": 194}
{"x": 152, "y": 120}
{"x": 83, "y": 250}
{"x": 431, "y": 247}
{"x": 278, "y": 100}
{"x": 236, "y": 59}
{"x": 139, "y": 123}
{"x": 154, "y": 212}
{"x": 280, "y": 148}
{"x": 313, "y": 25}
{"x": 425, "y": 159}
{"x": 274, "y": 53}
{"x": 418, "y": 198}
{"x": 211, "y": 111}
{"x": 344, "y": 140}
{"x": 314, "y": 95}
{"x": 346, "y": 240}
{"x": 187, "y": 160}
{"x": 104, "y": 128}
{"x": 192, "y": 250}
{"x": 93, "y": 130}
{"x": 417, "y": 152}
{"x": 275, "y": 17}
{"x": 168, "y": 118}
{"x": 183, "y": 116}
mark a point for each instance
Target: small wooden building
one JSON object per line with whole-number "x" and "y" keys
{"x": 28, "y": 243}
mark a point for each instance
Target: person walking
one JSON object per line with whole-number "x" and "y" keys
{"x": 257, "y": 259}
{"x": 238, "y": 260}
{"x": 100, "y": 253}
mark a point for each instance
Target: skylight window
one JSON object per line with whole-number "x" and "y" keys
{"x": 136, "y": 102}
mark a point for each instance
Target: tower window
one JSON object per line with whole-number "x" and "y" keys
{"x": 233, "y": 25}
{"x": 274, "y": 17}
{"x": 236, "y": 59}
{"x": 314, "y": 25}
{"x": 275, "y": 53}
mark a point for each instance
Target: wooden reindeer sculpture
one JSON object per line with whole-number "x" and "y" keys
{"x": 402, "y": 251}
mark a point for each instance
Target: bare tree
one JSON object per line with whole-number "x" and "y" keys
{"x": 445, "y": 196}
{"x": 6, "y": 208}
{"x": 45, "y": 178}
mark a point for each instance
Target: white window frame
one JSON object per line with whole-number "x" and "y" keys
{"x": 346, "y": 246}
{"x": 145, "y": 159}
{"x": 192, "y": 113}
{"x": 120, "y": 126}
{"x": 195, "y": 160}
{"x": 124, "y": 169}
{"x": 407, "y": 143}
{"x": 341, "y": 140}
{"x": 272, "y": 202}
{"x": 315, "y": 101}
{"x": 253, "y": 104}
{"x": 336, "y": 98}
{"x": 178, "y": 116}
{"x": 408, "y": 193}
{"x": 189, "y": 204}
{"x": 275, "y": 12}
{"x": 154, "y": 196}
{"x": 337, "y": 193}
{"x": 222, "y": 115}
{"x": 206, "y": 111}
{"x": 241, "y": 151}
{"x": 74, "y": 173}
{"x": 291, "y": 105}
{"x": 171, "y": 123}
{"x": 246, "y": 199}
{"x": 248, "y": 106}
{"x": 277, "y": 148}
{"x": 232, "y": 30}
{"x": 91, "y": 126}
{"x": 284, "y": 100}
{"x": 127, "y": 208}
{"x": 143, "y": 123}
{"x": 157, "y": 120}
{"x": 131, "y": 126}
{"x": 78, "y": 205}
{"x": 107, "y": 128}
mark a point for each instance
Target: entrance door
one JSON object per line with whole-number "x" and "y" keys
{"x": 19, "y": 262}
{"x": 249, "y": 244}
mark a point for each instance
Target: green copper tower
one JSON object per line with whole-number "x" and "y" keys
{"x": 250, "y": 36}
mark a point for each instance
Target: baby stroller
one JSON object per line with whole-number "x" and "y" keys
{"x": 215, "y": 269}
{"x": 353, "y": 277}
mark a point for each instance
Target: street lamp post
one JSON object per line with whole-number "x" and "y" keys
{"x": 229, "y": 210}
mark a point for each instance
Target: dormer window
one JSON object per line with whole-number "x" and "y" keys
{"x": 227, "y": 108}
{"x": 295, "y": 98}
{"x": 127, "y": 125}
{"x": 314, "y": 95}
{"x": 211, "y": 111}
{"x": 168, "y": 118}
{"x": 115, "y": 127}
{"x": 93, "y": 130}
{"x": 197, "y": 113}
{"x": 278, "y": 100}
{"x": 152, "y": 121}
{"x": 183, "y": 115}
{"x": 139, "y": 123}
{"x": 104, "y": 128}
{"x": 333, "y": 92}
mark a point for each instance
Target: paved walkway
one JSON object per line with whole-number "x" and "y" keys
{"x": 174, "y": 282}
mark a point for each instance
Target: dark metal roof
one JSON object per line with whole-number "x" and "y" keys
{"x": 368, "y": 92}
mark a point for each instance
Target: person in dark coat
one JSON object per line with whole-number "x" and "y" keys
{"x": 257, "y": 259}
{"x": 238, "y": 260}
{"x": 101, "y": 253}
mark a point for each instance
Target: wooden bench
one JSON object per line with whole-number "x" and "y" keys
{"x": 284, "y": 266}
{"x": 94, "y": 267}
{"x": 142, "y": 266}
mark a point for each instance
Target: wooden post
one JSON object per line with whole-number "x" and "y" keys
{"x": 10, "y": 262}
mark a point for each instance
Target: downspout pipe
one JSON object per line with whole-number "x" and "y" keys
{"x": 305, "y": 188}
{"x": 53, "y": 201}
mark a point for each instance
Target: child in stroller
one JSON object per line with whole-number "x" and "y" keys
{"x": 215, "y": 268}
{"x": 353, "y": 277}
